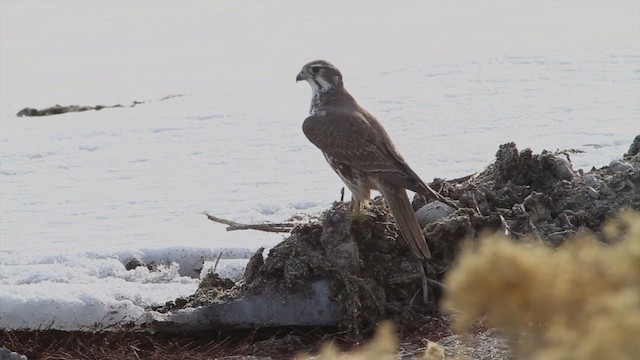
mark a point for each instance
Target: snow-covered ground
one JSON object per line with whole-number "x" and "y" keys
{"x": 83, "y": 193}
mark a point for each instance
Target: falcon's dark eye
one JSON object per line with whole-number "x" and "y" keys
{"x": 315, "y": 69}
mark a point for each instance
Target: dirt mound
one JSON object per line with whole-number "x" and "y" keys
{"x": 372, "y": 270}
{"x": 366, "y": 270}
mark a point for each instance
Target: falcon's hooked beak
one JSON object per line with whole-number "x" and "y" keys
{"x": 301, "y": 76}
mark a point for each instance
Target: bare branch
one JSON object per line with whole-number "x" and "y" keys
{"x": 267, "y": 227}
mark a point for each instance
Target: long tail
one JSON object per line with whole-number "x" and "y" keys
{"x": 405, "y": 217}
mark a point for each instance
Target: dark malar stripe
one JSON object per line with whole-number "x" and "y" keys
{"x": 318, "y": 85}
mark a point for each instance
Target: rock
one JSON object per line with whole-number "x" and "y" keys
{"x": 619, "y": 166}
{"x": 562, "y": 169}
{"x": 432, "y": 212}
{"x": 310, "y": 305}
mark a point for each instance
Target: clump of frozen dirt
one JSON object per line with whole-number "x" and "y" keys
{"x": 525, "y": 193}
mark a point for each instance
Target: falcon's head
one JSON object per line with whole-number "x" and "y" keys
{"x": 321, "y": 75}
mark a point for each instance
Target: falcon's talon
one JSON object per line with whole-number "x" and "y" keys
{"x": 360, "y": 151}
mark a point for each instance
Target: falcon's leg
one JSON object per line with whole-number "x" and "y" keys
{"x": 356, "y": 181}
{"x": 360, "y": 199}
{"x": 359, "y": 205}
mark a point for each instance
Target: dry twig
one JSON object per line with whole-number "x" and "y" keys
{"x": 215, "y": 266}
{"x": 267, "y": 227}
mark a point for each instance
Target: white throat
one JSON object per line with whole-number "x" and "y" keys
{"x": 318, "y": 87}
{"x": 314, "y": 87}
{"x": 324, "y": 84}
{"x": 315, "y": 99}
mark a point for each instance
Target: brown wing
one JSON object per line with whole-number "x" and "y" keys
{"x": 359, "y": 141}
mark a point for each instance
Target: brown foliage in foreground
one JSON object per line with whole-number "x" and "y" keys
{"x": 580, "y": 301}
{"x": 383, "y": 346}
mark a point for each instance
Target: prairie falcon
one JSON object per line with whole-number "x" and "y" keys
{"x": 360, "y": 151}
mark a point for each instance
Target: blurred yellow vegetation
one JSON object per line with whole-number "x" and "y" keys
{"x": 383, "y": 346}
{"x": 579, "y": 301}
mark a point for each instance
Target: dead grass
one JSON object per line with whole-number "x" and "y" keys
{"x": 277, "y": 343}
{"x": 280, "y": 343}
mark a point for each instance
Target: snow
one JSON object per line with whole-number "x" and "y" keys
{"x": 81, "y": 194}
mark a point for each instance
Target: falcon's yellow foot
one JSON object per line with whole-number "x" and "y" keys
{"x": 361, "y": 215}
{"x": 360, "y": 212}
{"x": 358, "y": 205}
